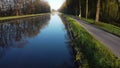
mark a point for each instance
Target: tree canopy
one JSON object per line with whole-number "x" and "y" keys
{"x": 20, "y": 7}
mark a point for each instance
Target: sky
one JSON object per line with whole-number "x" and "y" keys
{"x": 55, "y": 4}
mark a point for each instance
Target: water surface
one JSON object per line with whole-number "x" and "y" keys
{"x": 37, "y": 42}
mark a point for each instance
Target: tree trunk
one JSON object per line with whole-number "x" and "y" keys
{"x": 86, "y": 9}
{"x": 80, "y": 8}
{"x": 97, "y": 11}
{"x": 76, "y": 11}
{"x": 16, "y": 9}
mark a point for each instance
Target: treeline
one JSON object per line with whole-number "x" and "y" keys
{"x": 22, "y": 7}
{"x": 103, "y": 10}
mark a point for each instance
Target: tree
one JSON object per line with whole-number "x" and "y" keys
{"x": 16, "y": 7}
{"x": 86, "y": 9}
{"x": 20, "y": 7}
{"x": 97, "y": 11}
{"x": 80, "y": 8}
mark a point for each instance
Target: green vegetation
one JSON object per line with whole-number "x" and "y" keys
{"x": 105, "y": 26}
{"x": 99, "y": 10}
{"x": 79, "y": 58}
{"x": 98, "y": 55}
{"x": 17, "y": 17}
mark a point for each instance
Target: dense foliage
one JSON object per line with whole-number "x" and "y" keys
{"x": 109, "y": 9}
{"x": 22, "y": 7}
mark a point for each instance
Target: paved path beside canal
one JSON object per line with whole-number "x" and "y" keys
{"x": 110, "y": 40}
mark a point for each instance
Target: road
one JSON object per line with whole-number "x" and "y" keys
{"x": 110, "y": 40}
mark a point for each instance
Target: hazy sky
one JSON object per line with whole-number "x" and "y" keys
{"x": 55, "y": 4}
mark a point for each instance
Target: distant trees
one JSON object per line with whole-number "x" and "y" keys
{"x": 70, "y": 7}
{"x": 110, "y": 11}
{"x": 20, "y": 7}
{"x": 103, "y": 10}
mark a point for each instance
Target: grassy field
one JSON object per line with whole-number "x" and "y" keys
{"x": 98, "y": 55}
{"x": 17, "y": 17}
{"x": 105, "y": 26}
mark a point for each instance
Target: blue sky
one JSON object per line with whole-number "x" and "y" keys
{"x": 55, "y": 4}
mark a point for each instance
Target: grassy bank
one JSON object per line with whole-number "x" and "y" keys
{"x": 105, "y": 26}
{"x": 97, "y": 54}
{"x": 17, "y": 17}
{"x": 79, "y": 58}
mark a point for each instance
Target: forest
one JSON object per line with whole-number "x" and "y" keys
{"x": 23, "y": 7}
{"x": 99, "y": 10}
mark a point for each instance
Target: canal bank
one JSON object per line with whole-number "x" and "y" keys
{"x": 20, "y": 16}
{"x": 97, "y": 54}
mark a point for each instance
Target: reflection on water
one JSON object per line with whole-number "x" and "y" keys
{"x": 37, "y": 42}
{"x": 16, "y": 33}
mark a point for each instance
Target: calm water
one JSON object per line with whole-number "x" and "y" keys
{"x": 37, "y": 42}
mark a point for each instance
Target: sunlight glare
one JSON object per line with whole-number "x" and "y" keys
{"x": 55, "y": 4}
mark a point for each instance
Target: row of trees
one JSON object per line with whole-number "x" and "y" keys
{"x": 20, "y": 7}
{"x": 105, "y": 10}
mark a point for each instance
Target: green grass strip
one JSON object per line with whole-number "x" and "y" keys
{"x": 17, "y": 17}
{"x": 99, "y": 56}
{"x": 105, "y": 26}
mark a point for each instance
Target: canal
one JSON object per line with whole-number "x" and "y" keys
{"x": 36, "y": 42}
